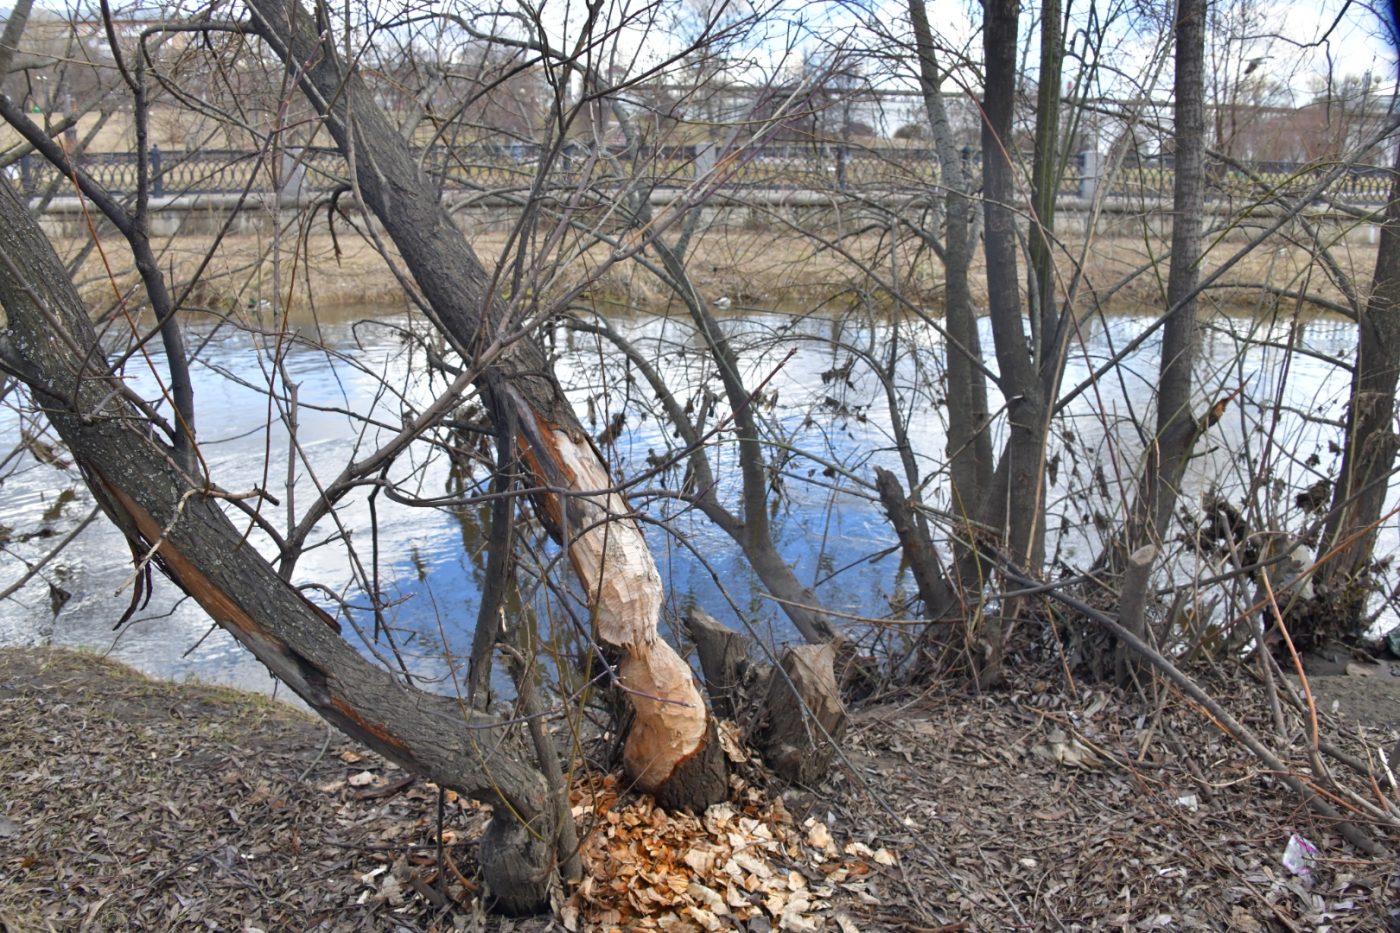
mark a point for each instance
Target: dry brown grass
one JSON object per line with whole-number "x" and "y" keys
{"x": 341, "y": 269}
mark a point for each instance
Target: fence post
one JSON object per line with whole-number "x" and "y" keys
{"x": 293, "y": 177}
{"x": 1089, "y": 171}
{"x": 157, "y": 182}
{"x": 704, "y": 160}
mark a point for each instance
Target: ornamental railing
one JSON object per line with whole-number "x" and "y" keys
{"x": 826, "y": 168}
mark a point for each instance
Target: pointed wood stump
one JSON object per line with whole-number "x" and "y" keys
{"x": 803, "y": 714}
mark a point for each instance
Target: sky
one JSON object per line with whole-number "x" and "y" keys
{"x": 1296, "y": 43}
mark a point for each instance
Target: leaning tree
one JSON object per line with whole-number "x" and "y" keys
{"x": 148, "y": 476}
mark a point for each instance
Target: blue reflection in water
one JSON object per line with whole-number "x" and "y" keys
{"x": 816, "y": 395}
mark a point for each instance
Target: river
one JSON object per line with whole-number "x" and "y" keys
{"x": 356, "y": 380}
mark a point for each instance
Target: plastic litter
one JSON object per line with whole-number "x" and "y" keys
{"x": 1298, "y": 857}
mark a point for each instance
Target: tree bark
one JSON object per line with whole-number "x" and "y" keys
{"x": 1045, "y": 175}
{"x": 803, "y": 714}
{"x": 670, "y": 751}
{"x": 14, "y": 30}
{"x": 50, "y": 344}
{"x": 724, "y": 660}
{"x": 1371, "y": 442}
{"x": 969, "y": 445}
{"x": 1177, "y": 431}
{"x": 934, "y": 592}
{"x": 1012, "y": 499}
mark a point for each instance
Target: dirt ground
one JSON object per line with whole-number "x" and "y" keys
{"x": 127, "y": 803}
{"x": 1361, "y": 693}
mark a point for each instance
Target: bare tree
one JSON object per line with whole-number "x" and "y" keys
{"x": 1368, "y": 464}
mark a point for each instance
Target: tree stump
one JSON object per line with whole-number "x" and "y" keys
{"x": 803, "y": 714}
{"x": 724, "y": 660}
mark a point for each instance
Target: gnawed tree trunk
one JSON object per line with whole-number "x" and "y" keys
{"x": 1371, "y": 441}
{"x": 724, "y": 661}
{"x": 50, "y": 344}
{"x": 670, "y": 750}
{"x": 792, "y": 713}
{"x": 1132, "y": 607}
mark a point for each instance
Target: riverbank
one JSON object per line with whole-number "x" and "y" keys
{"x": 320, "y": 271}
{"x": 131, "y": 803}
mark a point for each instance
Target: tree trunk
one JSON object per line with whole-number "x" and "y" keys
{"x": 724, "y": 660}
{"x": 1045, "y": 176}
{"x": 51, "y": 345}
{"x": 1012, "y": 500}
{"x": 1177, "y": 427}
{"x": 1176, "y": 424}
{"x": 803, "y": 714}
{"x": 1371, "y": 442}
{"x": 969, "y": 445}
{"x": 670, "y": 750}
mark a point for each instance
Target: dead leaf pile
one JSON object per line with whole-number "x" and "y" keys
{"x": 747, "y": 862}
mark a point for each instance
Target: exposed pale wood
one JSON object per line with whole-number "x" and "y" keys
{"x": 615, "y": 566}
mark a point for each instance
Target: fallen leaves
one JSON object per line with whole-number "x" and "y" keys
{"x": 236, "y": 814}
{"x": 736, "y": 863}
{"x": 1067, "y": 749}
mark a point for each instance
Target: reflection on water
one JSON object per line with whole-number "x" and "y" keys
{"x": 353, "y": 386}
